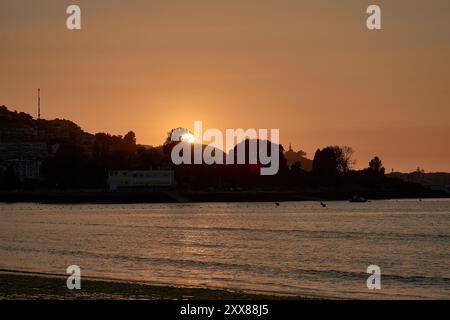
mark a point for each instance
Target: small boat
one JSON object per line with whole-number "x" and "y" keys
{"x": 357, "y": 198}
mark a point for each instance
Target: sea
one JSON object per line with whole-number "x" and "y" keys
{"x": 291, "y": 249}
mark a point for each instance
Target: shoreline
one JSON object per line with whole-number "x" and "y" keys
{"x": 176, "y": 196}
{"x": 25, "y": 285}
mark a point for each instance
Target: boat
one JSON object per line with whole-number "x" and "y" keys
{"x": 357, "y": 198}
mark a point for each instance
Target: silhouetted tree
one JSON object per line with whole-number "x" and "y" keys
{"x": 297, "y": 175}
{"x": 346, "y": 160}
{"x": 69, "y": 167}
{"x": 152, "y": 158}
{"x": 419, "y": 170}
{"x": 176, "y": 134}
{"x": 331, "y": 162}
{"x": 376, "y": 166}
{"x": 296, "y": 167}
{"x": 130, "y": 138}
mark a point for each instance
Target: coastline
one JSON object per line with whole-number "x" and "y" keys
{"x": 177, "y": 196}
{"x": 23, "y": 285}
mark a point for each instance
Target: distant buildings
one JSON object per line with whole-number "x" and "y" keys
{"x": 126, "y": 179}
{"x": 17, "y": 132}
{"x": 23, "y": 150}
{"x": 25, "y": 169}
{"x": 25, "y": 143}
{"x": 22, "y": 159}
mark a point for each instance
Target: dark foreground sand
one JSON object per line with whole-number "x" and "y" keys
{"x": 22, "y": 285}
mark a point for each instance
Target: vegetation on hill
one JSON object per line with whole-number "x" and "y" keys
{"x": 77, "y": 159}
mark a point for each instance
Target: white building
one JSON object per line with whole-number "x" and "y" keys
{"x": 124, "y": 179}
{"x": 25, "y": 169}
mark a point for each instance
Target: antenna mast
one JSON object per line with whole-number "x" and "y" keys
{"x": 39, "y": 103}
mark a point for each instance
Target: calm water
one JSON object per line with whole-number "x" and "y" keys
{"x": 297, "y": 248}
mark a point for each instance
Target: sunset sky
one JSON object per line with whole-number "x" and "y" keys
{"x": 310, "y": 68}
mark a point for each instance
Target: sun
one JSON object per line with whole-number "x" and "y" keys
{"x": 188, "y": 137}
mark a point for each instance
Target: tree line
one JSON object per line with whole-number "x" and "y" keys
{"x": 75, "y": 166}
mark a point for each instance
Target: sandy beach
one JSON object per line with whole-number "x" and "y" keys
{"x": 18, "y": 285}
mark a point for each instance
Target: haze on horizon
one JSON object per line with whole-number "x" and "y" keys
{"x": 309, "y": 68}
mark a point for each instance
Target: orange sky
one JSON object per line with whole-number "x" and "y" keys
{"x": 309, "y": 68}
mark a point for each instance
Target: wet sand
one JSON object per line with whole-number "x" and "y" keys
{"x": 15, "y": 285}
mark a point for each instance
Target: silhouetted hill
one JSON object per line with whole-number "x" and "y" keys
{"x": 21, "y": 127}
{"x": 432, "y": 180}
{"x": 298, "y": 156}
{"x": 42, "y": 155}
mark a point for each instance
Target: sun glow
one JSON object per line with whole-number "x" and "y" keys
{"x": 188, "y": 137}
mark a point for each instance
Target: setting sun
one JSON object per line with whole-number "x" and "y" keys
{"x": 188, "y": 137}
